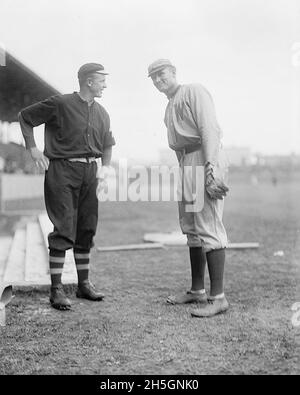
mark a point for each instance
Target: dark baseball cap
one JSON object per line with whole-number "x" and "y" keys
{"x": 91, "y": 68}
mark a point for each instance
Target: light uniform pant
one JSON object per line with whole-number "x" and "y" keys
{"x": 200, "y": 216}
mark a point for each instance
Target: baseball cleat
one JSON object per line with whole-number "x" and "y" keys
{"x": 86, "y": 290}
{"x": 213, "y": 307}
{"x": 58, "y": 298}
{"x": 189, "y": 297}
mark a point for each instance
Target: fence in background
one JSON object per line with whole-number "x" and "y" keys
{"x": 21, "y": 192}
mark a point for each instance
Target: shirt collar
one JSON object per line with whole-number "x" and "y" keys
{"x": 174, "y": 93}
{"x": 76, "y": 94}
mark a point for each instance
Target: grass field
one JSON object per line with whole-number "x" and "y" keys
{"x": 133, "y": 331}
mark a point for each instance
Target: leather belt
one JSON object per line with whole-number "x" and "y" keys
{"x": 83, "y": 160}
{"x": 190, "y": 148}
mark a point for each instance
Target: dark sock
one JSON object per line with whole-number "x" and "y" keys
{"x": 198, "y": 263}
{"x": 82, "y": 260}
{"x": 56, "y": 264}
{"x": 216, "y": 263}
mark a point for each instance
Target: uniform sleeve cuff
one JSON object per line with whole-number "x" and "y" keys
{"x": 30, "y": 143}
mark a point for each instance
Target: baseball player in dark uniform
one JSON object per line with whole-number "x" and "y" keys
{"x": 77, "y": 133}
{"x": 195, "y": 136}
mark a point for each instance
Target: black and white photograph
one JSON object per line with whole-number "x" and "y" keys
{"x": 149, "y": 190}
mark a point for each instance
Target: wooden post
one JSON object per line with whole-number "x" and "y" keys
{"x": 5, "y": 297}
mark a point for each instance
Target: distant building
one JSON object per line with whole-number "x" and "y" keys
{"x": 239, "y": 156}
{"x": 280, "y": 161}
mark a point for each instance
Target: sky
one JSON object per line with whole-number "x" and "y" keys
{"x": 245, "y": 52}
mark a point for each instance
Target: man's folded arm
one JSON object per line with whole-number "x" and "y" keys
{"x": 33, "y": 116}
{"x": 27, "y": 131}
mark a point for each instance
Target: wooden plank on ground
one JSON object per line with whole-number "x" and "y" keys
{"x": 15, "y": 266}
{"x": 5, "y": 245}
{"x": 169, "y": 239}
{"x": 179, "y": 239}
{"x": 46, "y": 227}
{"x": 36, "y": 257}
{"x": 242, "y": 246}
{"x": 69, "y": 273}
{"x": 131, "y": 247}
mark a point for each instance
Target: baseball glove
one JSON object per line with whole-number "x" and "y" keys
{"x": 215, "y": 187}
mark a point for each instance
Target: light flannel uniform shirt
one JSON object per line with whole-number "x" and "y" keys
{"x": 190, "y": 118}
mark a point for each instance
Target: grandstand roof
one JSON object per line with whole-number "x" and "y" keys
{"x": 20, "y": 87}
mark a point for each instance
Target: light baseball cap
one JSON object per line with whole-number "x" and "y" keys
{"x": 158, "y": 65}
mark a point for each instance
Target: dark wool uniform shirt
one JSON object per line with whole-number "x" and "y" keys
{"x": 72, "y": 127}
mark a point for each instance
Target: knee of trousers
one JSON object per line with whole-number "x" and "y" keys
{"x": 194, "y": 240}
{"x": 207, "y": 243}
{"x": 59, "y": 242}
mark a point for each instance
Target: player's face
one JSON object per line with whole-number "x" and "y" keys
{"x": 164, "y": 80}
{"x": 97, "y": 84}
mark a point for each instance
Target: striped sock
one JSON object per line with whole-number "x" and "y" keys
{"x": 82, "y": 260}
{"x": 56, "y": 263}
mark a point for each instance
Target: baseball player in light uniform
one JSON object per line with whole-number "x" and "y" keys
{"x": 194, "y": 133}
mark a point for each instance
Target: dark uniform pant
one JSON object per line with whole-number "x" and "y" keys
{"x": 71, "y": 204}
